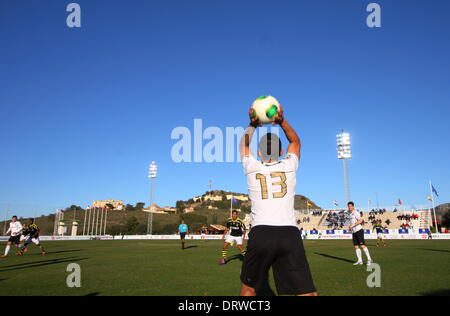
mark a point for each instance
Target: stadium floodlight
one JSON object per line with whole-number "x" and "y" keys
{"x": 153, "y": 173}
{"x": 344, "y": 153}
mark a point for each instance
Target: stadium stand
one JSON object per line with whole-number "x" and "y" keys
{"x": 337, "y": 219}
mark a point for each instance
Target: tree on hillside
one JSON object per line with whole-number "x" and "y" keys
{"x": 74, "y": 208}
{"x": 140, "y": 206}
{"x": 214, "y": 219}
{"x": 446, "y": 219}
{"x": 180, "y": 207}
{"x": 132, "y": 225}
{"x": 129, "y": 208}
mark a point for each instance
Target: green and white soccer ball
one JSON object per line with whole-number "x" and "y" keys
{"x": 265, "y": 108}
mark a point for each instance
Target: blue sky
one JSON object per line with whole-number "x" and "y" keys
{"x": 84, "y": 111}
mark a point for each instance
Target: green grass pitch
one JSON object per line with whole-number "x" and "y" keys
{"x": 162, "y": 268}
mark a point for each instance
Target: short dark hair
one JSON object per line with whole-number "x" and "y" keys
{"x": 350, "y": 203}
{"x": 234, "y": 212}
{"x": 14, "y": 217}
{"x": 270, "y": 146}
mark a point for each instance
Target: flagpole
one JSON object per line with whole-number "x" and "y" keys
{"x": 92, "y": 221}
{"x": 84, "y": 222}
{"x": 55, "y": 225}
{"x": 89, "y": 221}
{"x": 101, "y": 220}
{"x": 6, "y": 219}
{"x": 434, "y": 208}
{"x": 96, "y": 222}
{"x": 231, "y": 206}
{"x": 106, "y": 218}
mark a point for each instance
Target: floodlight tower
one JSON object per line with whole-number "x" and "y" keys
{"x": 153, "y": 172}
{"x": 344, "y": 152}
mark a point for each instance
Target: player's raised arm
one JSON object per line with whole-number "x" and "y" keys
{"x": 244, "y": 146}
{"x": 291, "y": 134}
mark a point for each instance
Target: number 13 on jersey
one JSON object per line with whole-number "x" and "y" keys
{"x": 282, "y": 183}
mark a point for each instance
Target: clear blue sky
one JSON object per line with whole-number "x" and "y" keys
{"x": 84, "y": 111}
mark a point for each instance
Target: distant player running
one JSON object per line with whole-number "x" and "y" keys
{"x": 358, "y": 235}
{"x": 15, "y": 230}
{"x": 31, "y": 235}
{"x": 275, "y": 240}
{"x": 235, "y": 233}
{"x": 183, "y": 230}
{"x": 378, "y": 227}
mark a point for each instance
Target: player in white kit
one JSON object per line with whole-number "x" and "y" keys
{"x": 275, "y": 240}
{"x": 358, "y": 235}
{"x": 15, "y": 231}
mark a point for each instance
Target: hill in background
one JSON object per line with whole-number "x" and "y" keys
{"x": 133, "y": 221}
{"x": 442, "y": 209}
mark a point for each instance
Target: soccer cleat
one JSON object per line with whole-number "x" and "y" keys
{"x": 4, "y": 257}
{"x": 222, "y": 262}
{"x": 358, "y": 264}
{"x": 386, "y": 245}
{"x": 43, "y": 254}
{"x": 19, "y": 254}
{"x": 25, "y": 250}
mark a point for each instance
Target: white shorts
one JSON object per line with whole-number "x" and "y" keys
{"x": 231, "y": 240}
{"x": 35, "y": 241}
{"x": 24, "y": 238}
{"x": 381, "y": 236}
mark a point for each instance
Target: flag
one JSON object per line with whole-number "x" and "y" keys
{"x": 336, "y": 203}
{"x": 400, "y": 202}
{"x": 434, "y": 191}
{"x": 233, "y": 200}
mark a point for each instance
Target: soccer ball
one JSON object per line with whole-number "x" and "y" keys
{"x": 265, "y": 108}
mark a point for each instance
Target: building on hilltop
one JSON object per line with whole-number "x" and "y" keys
{"x": 117, "y": 205}
{"x": 218, "y": 197}
{"x": 155, "y": 209}
{"x": 189, "y": 210}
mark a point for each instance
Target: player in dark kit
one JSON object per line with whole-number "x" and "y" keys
{"x": 378, "y": 227}
{"x": 237, "y": 230}
{"x": 275, "y": 240}
{"x": 31, "y": 235}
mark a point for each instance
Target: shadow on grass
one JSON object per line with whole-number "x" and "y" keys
{"x": 189, "y": 247}
{"x": 333, "y": 257}
{"x": 93, "y": 294}
{"x": 437, "y": 250}
{"x": 63, "y": 251}
{"x": 31, "y": 262}
{"x": 438, "y": 293}
{"x": 236, "y": 257}
{"x": 38, "y": 264}
{"x": 3, "y": 280}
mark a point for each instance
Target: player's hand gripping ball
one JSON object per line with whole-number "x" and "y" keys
{"x": 265, "y": 109}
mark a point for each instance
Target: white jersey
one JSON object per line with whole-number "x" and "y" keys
{"x": 15, "y": 228}
{"x": 355, "y": 217}
{"x": 271, "y": 188}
